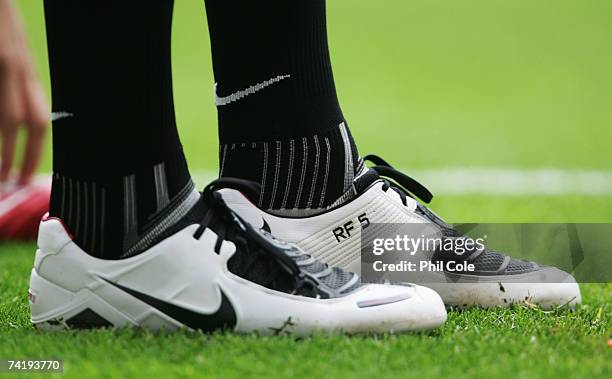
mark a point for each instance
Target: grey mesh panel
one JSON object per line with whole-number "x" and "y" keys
{"x": 517, "y": 266}
{"x": 335, "y": 278}
{"x": 488, "y": 261}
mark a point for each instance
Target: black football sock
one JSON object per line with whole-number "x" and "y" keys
{"x": 279, "y": 119}
{"x": 120, "y": 177}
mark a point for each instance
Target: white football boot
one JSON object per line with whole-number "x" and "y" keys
{"x": 214, "y": 271}
{"x": 334, "y": 237}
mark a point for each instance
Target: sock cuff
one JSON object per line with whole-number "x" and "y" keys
{"x": 306, "y": 172}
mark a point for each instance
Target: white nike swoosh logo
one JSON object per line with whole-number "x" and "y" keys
{"x": 59, "y": 115}
{"x": 224, "y": 100}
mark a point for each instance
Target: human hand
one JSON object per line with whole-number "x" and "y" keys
{"x": 22, "y": 101}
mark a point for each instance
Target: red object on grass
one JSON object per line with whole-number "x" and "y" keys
{"x": 21, "y": 208}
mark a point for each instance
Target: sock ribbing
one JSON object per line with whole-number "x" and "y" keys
{"x": 306, "y": 172}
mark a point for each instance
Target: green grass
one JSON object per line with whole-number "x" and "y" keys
{"x": 427, "y": 84}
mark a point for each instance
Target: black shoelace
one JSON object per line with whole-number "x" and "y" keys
{"x": 257, "y": 258}
{"x": 405, "y": 186}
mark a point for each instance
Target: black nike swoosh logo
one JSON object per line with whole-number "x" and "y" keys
{"x": 265, "y": 226}
{"x": 222, "y": 318}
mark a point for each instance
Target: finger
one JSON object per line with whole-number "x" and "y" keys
{"x": 37, "y": 117}
{"x": 9, "y": 138}
{"x": 32, "y": 153}
{"x": 11, "y": 112}
{"x": 37, "y": 110}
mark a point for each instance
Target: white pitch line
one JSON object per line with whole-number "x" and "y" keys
{"x": 497, "y": 181}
